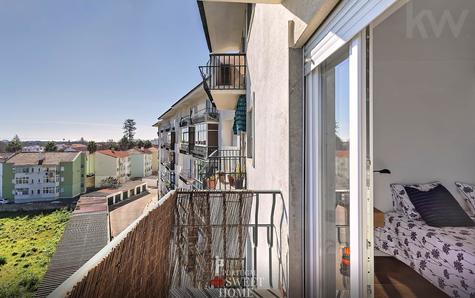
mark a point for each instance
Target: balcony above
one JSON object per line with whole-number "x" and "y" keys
{"x": 208, "y": 114}
{"x": 224, "y": 79}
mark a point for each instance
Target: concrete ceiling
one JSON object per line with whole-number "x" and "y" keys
{"x": 223, "y": 23}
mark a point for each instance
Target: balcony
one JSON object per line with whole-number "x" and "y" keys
{"x": 200, "y": 242}
{"x": 203, "y": 151}
{"x": 224, "y": 79}
{"x": 207, "y": 114}
{"x": 184, "y": 148}
{"x": 224, "y": 170}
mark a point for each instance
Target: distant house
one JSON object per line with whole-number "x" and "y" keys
{"x": 111, "y": 163}
{"x": 3, "y": 158}
{"x": 154, "y": 151}
{"x": 140, "y": 163}
{"x": 76, "y": 148}
{"x": 33, "y": 148}
{"x": 30, "y": 176}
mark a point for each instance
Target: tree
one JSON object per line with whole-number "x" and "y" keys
{"x": 129, "y": 130}
{"x": 147, "y": 144}
{"x": 51, "y": 147}
{"x": 112, "y": 145}
{"x": 82, "y": 141}
{"x": 139, "y": 144}
{"x": 124, "y": 143}
{"x": 110, "y": 182}
{"x": 14, "y": 145}
{"x": 91, "y": 147}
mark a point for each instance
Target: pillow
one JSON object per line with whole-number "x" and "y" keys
{"x": 438, "y": 208}
{"x": 401, "y": 201}
{"x": 468, "y": 193}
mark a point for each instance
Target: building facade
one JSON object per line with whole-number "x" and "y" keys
{"x": 197, "y": 146}
{"x": 30, "y": 177}
{"x": 111, "y": 163}
{"x": 140, "y": 163}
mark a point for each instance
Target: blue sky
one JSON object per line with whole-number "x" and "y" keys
{"x": 72, "y": 69}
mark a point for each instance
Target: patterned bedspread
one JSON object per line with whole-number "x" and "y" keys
{"x": 443, "y": 256}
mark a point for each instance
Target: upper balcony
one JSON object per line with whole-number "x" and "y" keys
{"x": 224, "y": 79}
{"x": 208, "y": 114}
{"x": 223, "y": 170}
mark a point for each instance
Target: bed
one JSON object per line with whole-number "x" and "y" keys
{"x": 443, "y": 256}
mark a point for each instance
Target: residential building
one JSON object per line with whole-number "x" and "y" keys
{"x": 3, "y": 158}
{"x": 111, "y": 163}
{"x": 198, "y": 149}
{"x": 345, "y": 101}
{"x": 90, "y": 170}
{"x": 140, "y": 163}
{"x": 154, "y": 151}
{"x": 33, "y": 148}
{"x": 31, "y": 177}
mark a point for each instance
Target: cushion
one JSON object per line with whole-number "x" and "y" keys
{"x": 468, "y": 194}
{"x": 438, "y": 208}
{"x": 401, "y": 201}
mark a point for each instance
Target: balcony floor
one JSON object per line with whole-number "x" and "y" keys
{"x": 208, "y": 293}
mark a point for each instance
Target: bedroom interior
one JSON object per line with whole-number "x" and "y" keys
{"x": 423, "y": 132}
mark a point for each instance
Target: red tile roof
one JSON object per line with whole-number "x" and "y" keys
{"x": 114, "y": 153}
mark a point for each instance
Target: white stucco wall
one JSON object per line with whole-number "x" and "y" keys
{"x": 137, "y": 165}
{"x": 268, "y": 64}
{"x": 106, "y": 166}
{"x": 424, "y": 102}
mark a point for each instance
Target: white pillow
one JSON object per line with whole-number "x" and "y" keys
{"x": 401, "y": 201}
{"x": 468, "y": 194}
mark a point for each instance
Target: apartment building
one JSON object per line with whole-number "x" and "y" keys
{"x": 198, "y": 148}
{"x": 140, "y": 163}
{"x": 3, "y": 158}
{"x": 111, "y": 163}
{"x": 154, "y": 151}
{"x": 31, "y": 177}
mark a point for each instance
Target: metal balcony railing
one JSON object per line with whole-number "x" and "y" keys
{"x": 225, "y": 72}
{"x": 206, "y": 114}
{"x": 184, "y": 148}
{"x": 224, "y": 170}
{"x": 197, "y": 243}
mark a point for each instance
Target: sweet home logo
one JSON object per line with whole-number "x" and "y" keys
{"x": 237, "y": 283}
{"x": 428, "y": 23}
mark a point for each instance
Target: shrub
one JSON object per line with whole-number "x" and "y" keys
{"x": 3, "y": 260}
{"x": 29, "y": 281}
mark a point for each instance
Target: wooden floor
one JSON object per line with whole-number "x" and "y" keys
{"x": 395, "y": 279}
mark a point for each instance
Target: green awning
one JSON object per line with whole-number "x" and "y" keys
{"x": 240, "y": 115}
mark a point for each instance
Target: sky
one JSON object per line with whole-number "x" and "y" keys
{"x": 79, "y": 68}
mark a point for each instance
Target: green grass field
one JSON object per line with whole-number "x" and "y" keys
{"x": 27, "y": 243}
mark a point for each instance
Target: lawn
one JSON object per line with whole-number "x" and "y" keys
{"x": 27, "y": 243}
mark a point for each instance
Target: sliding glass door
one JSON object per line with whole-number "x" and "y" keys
{"x": 335, "y": 161}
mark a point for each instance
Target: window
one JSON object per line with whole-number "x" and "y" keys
{"x": 201, "y": 134}
{"x": 39, "y": 191}
{"x": 22, "y": 180}
{"x": 48, "y": 190}
{"x": 184, "y": 135}
{"x": 22, "y": 191}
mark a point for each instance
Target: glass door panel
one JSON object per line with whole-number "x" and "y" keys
{"x": 336, "y": 169}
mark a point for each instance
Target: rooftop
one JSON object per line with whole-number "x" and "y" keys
{"x": 113, "y": 153}
{"x": 5, "y": 156}
{"x": 42, "y": 158}
{"x": 102, "y": 193}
